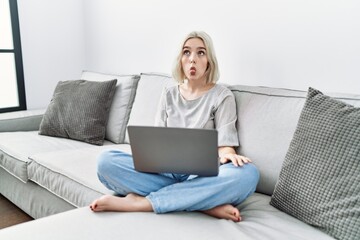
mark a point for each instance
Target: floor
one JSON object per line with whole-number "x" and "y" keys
{"x": 10, "y": 214}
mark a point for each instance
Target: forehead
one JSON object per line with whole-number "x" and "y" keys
{"x": 194, "y": 43}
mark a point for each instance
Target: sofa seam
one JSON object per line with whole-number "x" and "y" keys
{"x": 287, "y": 96}
{"x": 61, "y": 174}
{"x": 156, "y": 74}
{"x": 17, "y": 160}
{"x": 41, "y": 185}
{"x": 12, "y": 174}
{"x": 21, "y": 118}
{"x": 110, "y": 74}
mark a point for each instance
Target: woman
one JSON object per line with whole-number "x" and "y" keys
{"x": 197, "y": 102}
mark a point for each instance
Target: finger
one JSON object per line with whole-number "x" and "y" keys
{"x": 248, "y": 160}
{"x": 244, "y": 159}
{"x": 235, "y": 161}
{"x": 239, "y": 159}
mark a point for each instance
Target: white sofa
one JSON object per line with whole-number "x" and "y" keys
{"x": 54, "y": 179}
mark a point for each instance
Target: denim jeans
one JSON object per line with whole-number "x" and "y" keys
{"x": 177, "y": 192}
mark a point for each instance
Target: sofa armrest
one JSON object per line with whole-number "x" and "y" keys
{"x": 28, "y": 120}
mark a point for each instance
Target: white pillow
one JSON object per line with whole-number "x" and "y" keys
{"x": 147, "y": 99}
{"x": 121, "y": 104}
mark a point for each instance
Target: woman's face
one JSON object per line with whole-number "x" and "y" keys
{"x": 194, "y": 59}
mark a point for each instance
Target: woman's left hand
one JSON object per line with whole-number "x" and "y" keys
{"x": 236, "y": 159}
{"x": 228, "y": 154}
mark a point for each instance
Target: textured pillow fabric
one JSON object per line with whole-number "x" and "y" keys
{"x": 319, "y": 180}
{"x": 121, "y": 105}
{"x": 79, "y": 110}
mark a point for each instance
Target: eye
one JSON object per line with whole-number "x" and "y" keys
{"x": 186, "y": 52}
{"x": 201, "y": 53}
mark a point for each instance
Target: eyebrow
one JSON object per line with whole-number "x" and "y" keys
{"x": 202, "y": 48}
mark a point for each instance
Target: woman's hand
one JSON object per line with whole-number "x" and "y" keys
{"x": 228, "y": 154}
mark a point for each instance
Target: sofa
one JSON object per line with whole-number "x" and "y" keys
{"x": 53, "y": 179}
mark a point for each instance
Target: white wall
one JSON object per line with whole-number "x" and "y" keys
{"x": 52, "y": 39}
{"x": 278, "y": 43}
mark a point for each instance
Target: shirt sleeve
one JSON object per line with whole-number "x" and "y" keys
{"x": 225, "y": 122}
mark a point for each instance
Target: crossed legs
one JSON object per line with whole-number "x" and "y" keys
{"x": 162, "y": 193}
{"x": 136, "y": 203}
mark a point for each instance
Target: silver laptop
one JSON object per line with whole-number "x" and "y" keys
{"x": 174, "y": 150}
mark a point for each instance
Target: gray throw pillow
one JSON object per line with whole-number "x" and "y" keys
{"x": 319, "y": 182}
{"x": 79, "y": 110}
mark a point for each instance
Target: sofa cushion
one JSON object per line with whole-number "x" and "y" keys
{"x": 261, "y": 221}
{"x": 121, "y": 104}
{"x": 30, "y": 197}
{"x": 147, "y": 99}
{"x": 15, "y": 147}
{"x": 267, "y": 119}
{"x": 79, "y": 110}
{"x": 319, "y": 180}
{"x": 71, "y": 174}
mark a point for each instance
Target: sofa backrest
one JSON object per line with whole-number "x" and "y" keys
{"x": 267, "y": 119}
{"x": 147, "y": 97}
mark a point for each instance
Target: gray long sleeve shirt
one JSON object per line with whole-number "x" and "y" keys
{"x": 216, "y": 109}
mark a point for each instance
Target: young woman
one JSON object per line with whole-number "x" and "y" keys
{"x": 197, "y": 102}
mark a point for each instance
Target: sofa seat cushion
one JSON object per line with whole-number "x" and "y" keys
{"x": 16, "y": 147}
{"x": 261, "y": 221}
{"x": 30, "y": 197}
{"x": 71, "y": 174}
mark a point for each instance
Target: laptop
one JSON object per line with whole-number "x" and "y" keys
{"x": 174, "y": 150}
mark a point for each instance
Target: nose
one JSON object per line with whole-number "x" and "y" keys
{"x": 192, "y": 58}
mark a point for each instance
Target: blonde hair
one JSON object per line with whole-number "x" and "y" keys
{"x": 212, "y": 72}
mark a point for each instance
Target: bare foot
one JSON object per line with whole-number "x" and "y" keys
{"x": 131, "y": 203}
{"x": 226, "y": 211}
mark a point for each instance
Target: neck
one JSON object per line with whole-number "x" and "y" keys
{"x": 195, "y": 86}
{"x": 193, "y": 89}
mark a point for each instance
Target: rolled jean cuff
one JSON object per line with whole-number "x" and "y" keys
{"x": 154, "y": 203}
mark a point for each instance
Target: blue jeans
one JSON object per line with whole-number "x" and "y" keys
{"x": 177, "y": 192}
